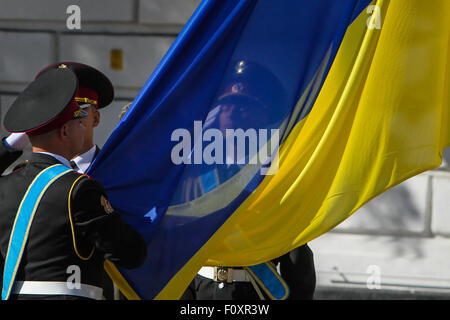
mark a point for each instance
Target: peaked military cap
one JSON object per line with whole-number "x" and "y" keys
{"x": 251, "y": 82}
{"x": 45, "y": 104}
{"x": 94, "y": 87}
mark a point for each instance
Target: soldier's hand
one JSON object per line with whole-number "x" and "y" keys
{"x": 17, "y": 141}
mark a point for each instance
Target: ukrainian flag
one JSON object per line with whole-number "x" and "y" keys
{"x": 353, "y": 96}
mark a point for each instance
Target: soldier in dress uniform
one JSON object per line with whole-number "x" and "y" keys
{"x": 95, "y": 92}
{"x": 57, "y": 226}
{"x": 250, "y": 97}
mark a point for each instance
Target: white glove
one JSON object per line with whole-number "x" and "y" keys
{"x": 17, "y": 141}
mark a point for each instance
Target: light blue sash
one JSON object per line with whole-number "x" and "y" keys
{"x": 269, "y": 280}
{"x": 23, "y": 221}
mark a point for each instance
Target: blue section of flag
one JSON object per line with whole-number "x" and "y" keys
{"x": 236, "y": 64}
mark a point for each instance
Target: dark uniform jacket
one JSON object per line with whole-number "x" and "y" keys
{"x": 73, "y": 225}
{"x": 7, "y": 157}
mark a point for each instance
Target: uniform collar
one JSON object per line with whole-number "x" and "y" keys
{"x": 48, "y": 157}
{"x": 83, "y": 161}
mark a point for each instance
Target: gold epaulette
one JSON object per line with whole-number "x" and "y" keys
{"x": 20, "y": 166}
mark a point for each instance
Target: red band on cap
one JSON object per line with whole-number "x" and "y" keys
{"x": 87, "y": 93}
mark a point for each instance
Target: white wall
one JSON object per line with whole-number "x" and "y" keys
{"x": 34, "y": 34}
{"x": 404, "y": 234}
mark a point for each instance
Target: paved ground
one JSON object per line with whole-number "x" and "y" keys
{"x": 361, "y": 294}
